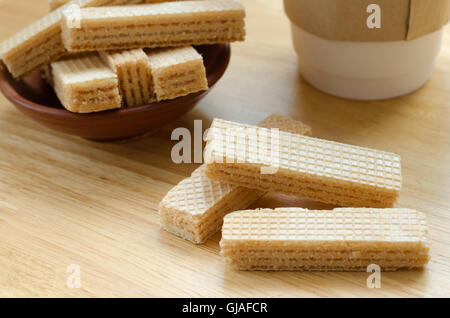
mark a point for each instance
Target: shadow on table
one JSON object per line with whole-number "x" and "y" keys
{"x": 324, "y": 284}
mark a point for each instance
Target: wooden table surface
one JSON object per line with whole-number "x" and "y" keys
{"x": 65, "y": 200}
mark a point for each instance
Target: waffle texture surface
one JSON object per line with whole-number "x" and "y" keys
{"x": 157, "y": 25}
{"x": 177, "y": 72}
{"x": 343, "y": 239}
{"x": 194, "y": 208}
{"x": 85, "y": 84}
{"x": 303, "y": 166}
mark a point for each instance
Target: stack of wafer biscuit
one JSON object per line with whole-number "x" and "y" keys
{"x": 366, "y": 182}
{"x": 194, "y": 208}
{"x": 146, "y": 43}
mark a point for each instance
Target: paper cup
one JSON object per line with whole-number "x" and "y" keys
{"x": 366, "y": 70}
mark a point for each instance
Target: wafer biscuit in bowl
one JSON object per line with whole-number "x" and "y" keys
{"x": 37, "y": 99}
{"x": 132, "y": 83}
{"x": 155, "y": 25}
{"x": 40, "y": 42}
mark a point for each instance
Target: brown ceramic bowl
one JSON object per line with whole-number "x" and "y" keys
{"x": 36, "y": 98}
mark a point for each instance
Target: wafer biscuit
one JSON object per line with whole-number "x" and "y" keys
{"x": 343, "y": 239}
{"x": 85, "y": 84}
{"x": 54, "y": 4}
{"x": 157, "y": 25}
{"x": 134, "y": 73}
{"x": 194, "y": 208}
{"x": 306, "y": 167}
{"x": 40, "y": 43}
{"x": 177, "y": 72}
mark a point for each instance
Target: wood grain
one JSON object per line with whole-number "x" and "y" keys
{"x": 64, "y": 200}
